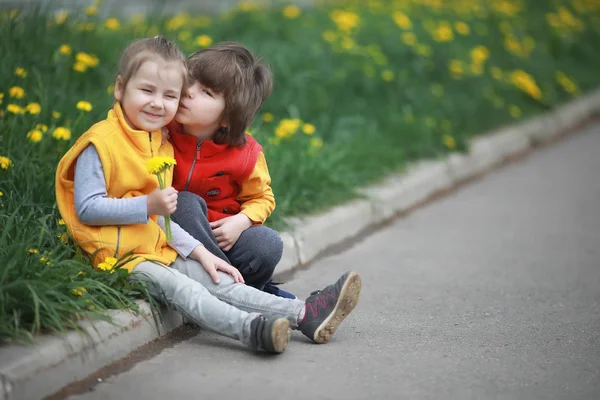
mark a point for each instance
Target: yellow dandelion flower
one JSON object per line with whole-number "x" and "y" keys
{"x": 61, "y": 133}
{"x": 108, "y": 264}
{"x": 567, "y": 83}
{"x": 287, "y": 128}
{"x": 79, "y": 291}
{"x": 387, "y": 75}
{"x": 20, "y": 72}
{"x": 65, "y": 49}
{"x": 61, "y": 221}
{"x": 5, "y": 162}
{"x": 443, "y": 33}
{"x": 61, "y": 17}
{"x": 462, "y": 28}
{"x": 45, "y": 260}
{"x": 449, "y": 141}
{"x": 402, "y": 20}
{"x": 291, "y": 12}
{"x": 91, "y": 10}
{"x": 89, "y": 60}
{"x": 308, "y": 129}
{"x": 316, "y": 143}
{"x": 514, "y": 111}
{"x": 84, "y": 105}
{"x": 156, "y": 165}
{"x": 204, "y": 40}
{"x": 34, "y": 135}
{"x": 42, "y": 127}
{"x": 525, "y": 82}
{"x": 479, "y": 54}
{"x": 409, "y": 38}
{"x": 112, "y": 24}
{"x": 55, "y": 114}
{"x": 1, "y": 194}
{"x": 79, "y": 67}
{"x": 33, "y": 108}
{"x": 63, "y": 238}
{"x": 345, "y": 20}
{"x": 1, "y": 97}
{"x": 15, "y": 109}
{"x": 16, "y": 92}
{"x": 456, "y": 68}
{"x": 33, "y": 251}
{"x": 267, "y": 117}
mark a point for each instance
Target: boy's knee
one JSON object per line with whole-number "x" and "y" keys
{"x": 191, "y": 201}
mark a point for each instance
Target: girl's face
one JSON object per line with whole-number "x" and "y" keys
{"x": 201, "y": 111}
{"x": 150, "y": 98}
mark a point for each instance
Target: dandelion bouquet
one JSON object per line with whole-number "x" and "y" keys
{"x": 159, "y": 166}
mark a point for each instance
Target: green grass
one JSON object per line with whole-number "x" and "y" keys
{"x": 377, "y": 97}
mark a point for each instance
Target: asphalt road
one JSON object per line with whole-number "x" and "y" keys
{"x": 490, "y": 292}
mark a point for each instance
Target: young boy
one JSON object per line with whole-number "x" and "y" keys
{"x": 221, "y": 173}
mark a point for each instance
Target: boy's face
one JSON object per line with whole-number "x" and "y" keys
{"x": 150, "y": 98}
{"x": 201, "y": 110}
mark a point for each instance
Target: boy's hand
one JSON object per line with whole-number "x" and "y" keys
{"x": 212, "y": 264}
{"x": 162, "y": 202}
{"x": 165, "y": 135}
{"x": 228, "y": 230}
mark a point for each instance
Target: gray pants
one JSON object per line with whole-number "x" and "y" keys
{"x": 256, "y": 252}
{"x": 226, "y": 308}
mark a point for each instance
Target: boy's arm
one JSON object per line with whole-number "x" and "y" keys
{"x": 256, "y": 196}
{"x": 94, "y": 208}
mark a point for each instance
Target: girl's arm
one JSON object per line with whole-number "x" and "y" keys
{"x": 256, "y": 196}
{"x": 94, "y": 208}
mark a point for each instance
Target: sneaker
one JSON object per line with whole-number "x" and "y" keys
{"x": 271, "y": 287}
{"x": 270, "y": 335}
{"x": 326, "y": 309}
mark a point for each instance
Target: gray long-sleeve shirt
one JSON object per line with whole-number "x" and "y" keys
{"x": 94, "y": 208}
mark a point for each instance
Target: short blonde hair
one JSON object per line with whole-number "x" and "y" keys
{"x": 142, "y": 50}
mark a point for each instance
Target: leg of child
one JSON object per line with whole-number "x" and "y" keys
{"x": 191, "y": 215}
{"x": 318, "y": 317}
{"x": 196, "y": 303}
{"x": 256, "y": 254}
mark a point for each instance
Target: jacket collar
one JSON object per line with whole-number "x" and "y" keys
{"x": 146, "y": 142}
{"x": 185, "y": 143}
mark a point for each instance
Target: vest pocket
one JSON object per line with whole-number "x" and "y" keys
{"x": 217, "y": 188}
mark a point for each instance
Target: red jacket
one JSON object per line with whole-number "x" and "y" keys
{"x": 213, "y": 171}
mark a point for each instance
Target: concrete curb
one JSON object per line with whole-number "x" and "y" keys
{"x": 37, "y": 371}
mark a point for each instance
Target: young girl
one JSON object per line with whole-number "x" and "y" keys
{"x": 221, "y": 171}
{"x": 113, "y": 207}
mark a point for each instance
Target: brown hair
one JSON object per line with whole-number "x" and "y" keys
{"x": 142, "y": 50}
{"x": 243, "y": 79}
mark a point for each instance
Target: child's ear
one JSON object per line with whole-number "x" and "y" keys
{"x": 119, "y": 89}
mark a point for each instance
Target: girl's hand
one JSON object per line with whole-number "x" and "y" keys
{"x": 212, "y": 264}
{"x": 228, "y": 230}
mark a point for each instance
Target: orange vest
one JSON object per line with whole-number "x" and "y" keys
{"x": 123, "y": 152}
{"x": 213, "y": 171}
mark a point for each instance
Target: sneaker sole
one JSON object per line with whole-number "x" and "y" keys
{"x": 346, "y": 302}
{"x": 280, "y": 334}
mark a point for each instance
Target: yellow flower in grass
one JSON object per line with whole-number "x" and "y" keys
{"x": 479, "y": 54}
{"x": 409, "y": 38}
{"x": 112, "y": 24}
{"x": 1, "y": 97}
{"x": 287, "y": 128}
{"x": 42, "y": 127}
{"x": 20, "y": 72}
{"x": 108, "y": 264}
{"x": 449, "y": 141}
{"x": 15, "y": 109}
{"x": 61, "y": 221}
{"x": 402, "y": 20}
{"x": 525, "y": 82}
{"x": 84, "y": 105}
{"x": 345, "y": 20}
{"x": 567, "y": 84}
{"x": 16, "y": 92}
{"x": 204, "y": 40}
{"x": 33, "y": 251}
{"x": 34, "y": 135}
{"x": 308, "y": 129}
{"x": 79, "y": 291}
{"x": 33, "y": 108}
{"x": 61, "y": 17}
{"x": 291, "y": 12}
{"x": 1, "y": 194}
{"x": 5, "y": 162}
{"x": 65, "y": 49}
{"x": 79, "y": 67}
{"x": 45, "y": 260}
{"x": 443, "y": 33}
{"x": 63, "y": 237}
{"x": 55, "y": 114}
{"x": 462, "y": 28}
{"x": 267, "y": 117}
{"x": 456, "y": 68}
{"x": 61, "y": 133}
{"x": 91, "y": 10}
{"x": 89, "y": 60}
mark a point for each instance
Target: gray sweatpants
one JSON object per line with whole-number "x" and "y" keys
{"x": 226, "y": 308}
{"x": 256, "y": 252}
